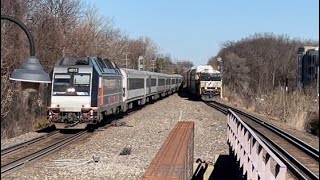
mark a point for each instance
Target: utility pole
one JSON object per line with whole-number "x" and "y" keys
{"x": 126, "y": 59}
{"x": 219, "y": 59}
{"x": 318, "y": 81}
{"x": 140, "y": 63}
{"x": 161, "y": 66}
{"x": 152, "y": 64}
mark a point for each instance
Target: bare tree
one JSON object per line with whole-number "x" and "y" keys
{"x": 60, "y": 28}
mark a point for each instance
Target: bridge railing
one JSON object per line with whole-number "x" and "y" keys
{"x": 253, "y": 155}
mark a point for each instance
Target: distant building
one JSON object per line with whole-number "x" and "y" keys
{"x": 308, "y": 67}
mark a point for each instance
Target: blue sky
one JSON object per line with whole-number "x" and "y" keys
{"x": 193, "y": 30}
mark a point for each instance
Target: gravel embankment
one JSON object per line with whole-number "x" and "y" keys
{"x": 145, "y": 131}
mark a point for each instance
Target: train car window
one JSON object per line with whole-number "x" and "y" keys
{"x": 112, "y": 86}
{"x": 153, "y": 82}
{"x": 161, "y": 82}
{"x": 136, "y": 83}
{"x": 167, "y": 81}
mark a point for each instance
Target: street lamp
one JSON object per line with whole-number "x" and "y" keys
{"x": 219, "y": 59}
{"x": 31, "y": 71}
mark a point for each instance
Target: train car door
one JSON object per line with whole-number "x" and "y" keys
{"x": 149, "y": 82}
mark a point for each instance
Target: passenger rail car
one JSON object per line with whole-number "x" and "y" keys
{"x": 203, "y": 82}
{"x": 85, "y": 90}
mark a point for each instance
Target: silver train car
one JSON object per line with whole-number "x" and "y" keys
{"x": 85, "y": 90}
{"x": 203, "y": 82}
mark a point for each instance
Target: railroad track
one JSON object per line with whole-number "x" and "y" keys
{"x": 301, "y": 159}
{"x": 19, "y": 146}
{"x": 15, "y": 157}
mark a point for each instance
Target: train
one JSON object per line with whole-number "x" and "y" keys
{"x": 308, "y": 67}
{"x": 85, "y": 90}
{"x": 203, "y": 82}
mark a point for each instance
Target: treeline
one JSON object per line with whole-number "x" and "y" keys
{"x": 255, "y": 70}
{"x": 63, "y": 28}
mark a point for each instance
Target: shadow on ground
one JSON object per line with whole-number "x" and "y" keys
{"x": 47, "y": 129}
{"x": 224, "y": 168}
{"x": 184, "y": 94}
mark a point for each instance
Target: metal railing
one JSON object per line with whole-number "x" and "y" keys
{"x": 253, "y": 155}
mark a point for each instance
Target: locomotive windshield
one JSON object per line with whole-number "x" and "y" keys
{"x": 71, "y": 85}
{"x": 210, "y": 77}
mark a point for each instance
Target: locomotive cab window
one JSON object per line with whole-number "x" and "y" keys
{"x": 210, "y": 77}
{"x": 71, "y": 85}
{"x": 60, "y": 83}
{"x": 81, "y": 84}
{"x": 81, "y": 80}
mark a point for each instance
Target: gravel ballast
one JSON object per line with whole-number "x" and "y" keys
{"x": 142, "y": 136}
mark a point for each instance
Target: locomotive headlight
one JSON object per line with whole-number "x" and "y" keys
{"x": 71, "y": 90}
{"x": 87, "y": 105}
{"x": 53, "y": 105}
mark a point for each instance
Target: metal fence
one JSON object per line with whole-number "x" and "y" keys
{"x": 253, "y": 155}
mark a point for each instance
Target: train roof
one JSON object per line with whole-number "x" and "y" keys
{"x": 150, "y": 73}
{"x": 204, "y": 68}
{"x": 103, "y": 66}
{"x": 133, "y": 71}
{"x": 85, "y": 64}
{"x": 73, "y": 61}
{"x": 304, "y": 49}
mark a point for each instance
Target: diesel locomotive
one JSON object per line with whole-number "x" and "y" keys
{"x": 203, "y": 82}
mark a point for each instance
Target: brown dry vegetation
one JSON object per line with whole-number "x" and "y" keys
{"x": 60, "y": 28}
{"x": 254, "y": 73}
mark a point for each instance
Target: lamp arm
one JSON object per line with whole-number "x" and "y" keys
{"x": 25, "y": 29}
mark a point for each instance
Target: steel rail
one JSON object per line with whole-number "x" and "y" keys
{"x": 26, "y": 143}
{"x": 40, "y": 153}
{"x": 309, "y": 150}
{"x": 313, "y": 152}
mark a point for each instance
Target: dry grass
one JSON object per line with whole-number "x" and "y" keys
{"x": 40, "y": 123}
{"x": 294, "y": 108}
